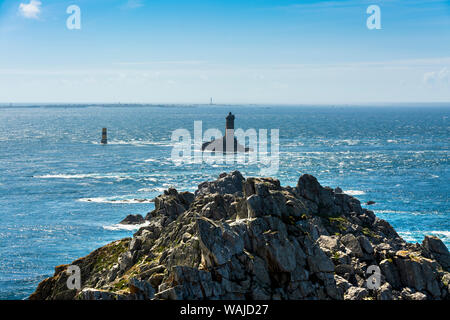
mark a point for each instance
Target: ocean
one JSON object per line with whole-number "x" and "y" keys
{"x": 62, "y": 193}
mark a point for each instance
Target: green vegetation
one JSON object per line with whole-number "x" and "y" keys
{"x": 121, "y": 284}
{"x": 340, "y": 222}
{"x": 109, "y": 254}
{"x": 369, "y": 233}
{"x": 336, "y": 255}
{"x": 160, "y": 249}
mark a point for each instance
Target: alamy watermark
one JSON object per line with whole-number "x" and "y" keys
{"x": 74, "y": 279}
{"x": 374, "y": 20}
{"x": 73, "y": 22}
{"x": 373, "y": 282}
{"x": 211, "y": 147}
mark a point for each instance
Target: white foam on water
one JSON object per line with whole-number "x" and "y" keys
{"x": 414, "y": 213}
{"x": 354, "y": 192}
{"x": 294, "y": 144}
{"x": 406, "y": 235}
{"x": 120, "y": 201}
{"x": 137, "y": 143}
{"x": 129, "y": 227}
{"x": 445, "y": 234}
{"x": 390, "y": 211}
{"x": 97, "y": 176}
{"x": 81, "y": 176}
{"x": 157, "y": 189}
{"x": 146, "y": 190}
{"x": 349, "y": 142}
{"x": 66, "y": 176}
{"x": 419, "y": 235}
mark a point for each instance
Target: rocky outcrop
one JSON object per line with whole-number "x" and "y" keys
{"x": 437, "y": 250}
{"x": 238, "y": 238}
{"x": 226, "y": 184}
{"x": 133, "y": 219}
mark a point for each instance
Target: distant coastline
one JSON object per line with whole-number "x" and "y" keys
{"x": 415, "y": 105}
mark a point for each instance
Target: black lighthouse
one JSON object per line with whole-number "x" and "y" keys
{"x": 220, "y": 145}
{"x": 230, "y": 122}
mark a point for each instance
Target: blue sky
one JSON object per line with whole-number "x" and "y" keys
{"x": 259, "y": 51}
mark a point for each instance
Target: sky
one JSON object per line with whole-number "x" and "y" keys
{"x": 235, "y": 51}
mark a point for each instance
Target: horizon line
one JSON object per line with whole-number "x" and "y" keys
{"x": 34, "y": 104}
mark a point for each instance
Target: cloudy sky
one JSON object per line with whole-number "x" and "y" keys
{"x": 236, "y": 51}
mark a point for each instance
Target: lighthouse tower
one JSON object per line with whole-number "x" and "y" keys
{"x": 227, "y": 143}
{"x": 230, "y": 122}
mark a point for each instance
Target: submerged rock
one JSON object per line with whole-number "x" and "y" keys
{"x": 238, "y": 238}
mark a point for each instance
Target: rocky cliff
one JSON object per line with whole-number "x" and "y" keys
{"x": 238, "y": 238}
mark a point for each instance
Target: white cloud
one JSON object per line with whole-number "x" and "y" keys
{"x": 30, "y": 10}
{"x": 441, "y": 77}
{"x": 133, "y": 4}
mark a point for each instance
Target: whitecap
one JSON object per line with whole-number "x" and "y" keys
{"x": 354, "y": 192}
{"x": 349, "y": 142}
{"x": 406, "y": 235}
{"x": 120, "y": 201}
{"x": 445, "y": 234}
{"x": 66, "y": 176}
{"x": 129, "y": 227}
{"x": 81, "y": 176}
{"x": 391, "y": 211}
{"x": 416, "y": 235}
{"x": 138, "y": 143}
{"x": 157, "y": 189}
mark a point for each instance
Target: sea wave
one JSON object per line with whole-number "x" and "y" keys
{"x": 109, "y": 200}
{"x": 407, "y": 235}
{"x": 415, "y": 213}
{"x": 354, "y": 192}
{"x": 138, "y": 143}
{"x": 419, "y": 235}
{"x": 97, "y": 176}
{"x": 130, "y": 227}
{"x": 441, "y": 234}
{"x": 391, "y": 211}
{"x": 158, "y": 189}
{"x": 67, "y": 176}
{"x": 82, "y": 176}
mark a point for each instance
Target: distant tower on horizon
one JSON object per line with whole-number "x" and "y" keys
{"x": 104, "y": 137}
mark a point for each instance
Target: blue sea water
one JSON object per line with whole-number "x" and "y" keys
{"x": 62, "y": 193}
